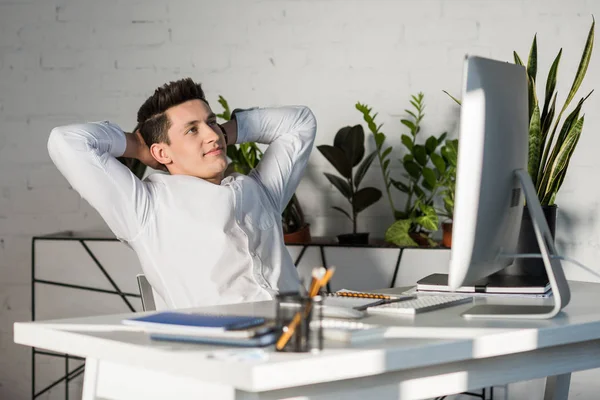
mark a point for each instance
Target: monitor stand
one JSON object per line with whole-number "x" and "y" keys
{"x": 556, "y": 276}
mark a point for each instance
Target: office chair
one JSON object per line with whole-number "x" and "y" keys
{"x": 148, "y": 303}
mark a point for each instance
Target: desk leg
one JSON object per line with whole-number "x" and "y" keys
{"x": 557, "y": 387}
{"x": 90, "y": 379}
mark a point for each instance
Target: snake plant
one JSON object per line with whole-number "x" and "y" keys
{"x": 549, "y": 153}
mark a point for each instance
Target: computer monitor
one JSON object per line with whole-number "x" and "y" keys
{"x": 492, "y": 183}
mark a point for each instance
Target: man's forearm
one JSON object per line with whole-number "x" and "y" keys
{"x": 230, "y": 131}
{"x": 133, "y": 146}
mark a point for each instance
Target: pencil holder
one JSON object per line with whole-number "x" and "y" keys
{"x": 299, "y": 321}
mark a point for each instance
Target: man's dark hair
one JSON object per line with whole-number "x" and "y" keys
{"x": 152, "y": 121}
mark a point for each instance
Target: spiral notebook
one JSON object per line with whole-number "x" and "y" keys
{"x": 360, "y": 300}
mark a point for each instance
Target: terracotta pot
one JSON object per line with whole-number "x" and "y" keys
{"x": 354, "y": 238}
{"x": 300, "y": 236}
{"x": 447, "y": 237}
{"x": 421, "y": 240}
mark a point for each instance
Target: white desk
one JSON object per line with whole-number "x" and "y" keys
{"x": 434, "y": 354}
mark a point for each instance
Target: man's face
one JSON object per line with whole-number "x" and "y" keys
{"x": 197, "y": 146}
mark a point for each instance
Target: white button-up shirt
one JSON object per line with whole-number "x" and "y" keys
{"x": 198, "y": 243}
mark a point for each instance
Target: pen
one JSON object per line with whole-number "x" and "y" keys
{"x": 385, "y": 301}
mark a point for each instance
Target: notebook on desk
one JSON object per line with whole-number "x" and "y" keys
{"x": 200, "y": 325}
{"x": 500, "y": 284}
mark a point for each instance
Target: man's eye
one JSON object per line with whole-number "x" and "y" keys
{"x": 214, "y": 122}
{"x": 192, "y": 130}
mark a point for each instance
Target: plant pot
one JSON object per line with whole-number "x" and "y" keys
{"x": 354, "y": 238}
{"x": 447, "y": 234}
{"x": 420, "y": 239}
{"x": 299, "y": 237}
{"x": 528, "y": 244}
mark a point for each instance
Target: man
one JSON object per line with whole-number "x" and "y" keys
{"x": 202, "y": 239}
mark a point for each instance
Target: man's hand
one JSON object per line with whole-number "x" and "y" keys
{"x": 138, "y": 149}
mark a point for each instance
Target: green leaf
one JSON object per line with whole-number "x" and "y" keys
{"x": 400, "y": 215}
{"x": 439, "y": 162}
{"x": 419, "y": 192}
{"x": 442, "y": 137}
{"x": 449, "y": 205}
{"x": 386, "y": 153}
{"x": 450, "y": 152}
{"x": 581, "y": 70}
{"x": 429, "y": 220}
{"x": 561, "y": 161}
{"x": 547, "y": 120}
{"x": 429, "y": 177}
{"x": 413, "y": 169}
{"x": 343, "y": 212}
{"x": 535, "y": 143}
{"x": 365, "y": 198}
{"x": 550, "y": 85}
{"x": 572, "y": 117}
{"x": 386, "y": 164}
{"x": 407, "y": 142}
{"x": 420, "y": 154}
{"x": 412, "y": 114}
{"x": 226, "y": 114}
{"x": 427, "y": 186}
{"x": 407, "y": 157}
{"x": 397, "y": 234}
{"x": 341, "y": 185}
{"x": 337, "y": 158}
{"x": 351, "y": 139}
{"x": 583, "y": 65}
{"x": 232, "y": 153}
{"x": 363, "y": 167}
{"x": 409, "y": 124}
{"x": 400, "y": 186}
{"x": 532, "y": 95}
{"x": 453, "y": 98}
{"x": 431, "y": 144}
{"x": 569, "y": 121}
{"x": 250, "y": 155}
{"x": 518, "y": 60}
{"x": 532, "y": 62}
{"x": 379, "y": 139}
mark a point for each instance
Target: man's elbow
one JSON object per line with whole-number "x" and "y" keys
{"x": 308, "y": 122}
{"x": 55, "y": 140}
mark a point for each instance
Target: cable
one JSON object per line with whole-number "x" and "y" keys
{"x": 556, "y": 257}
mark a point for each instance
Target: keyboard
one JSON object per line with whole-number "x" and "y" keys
{"x": 420, "y": 304}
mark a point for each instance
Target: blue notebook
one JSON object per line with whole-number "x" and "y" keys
{"x": 198, "y": 324}
{"x": 256, "y": 341}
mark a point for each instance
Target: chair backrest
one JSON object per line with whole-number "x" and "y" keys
{"x": 148, "y": 303}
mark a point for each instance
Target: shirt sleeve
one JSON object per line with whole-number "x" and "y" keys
{"x": 85, "y": 155}
{"x": 290, "y": 134}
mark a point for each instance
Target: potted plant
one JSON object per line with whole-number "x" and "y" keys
{"x": 446, "y": 168}
{"x": 550, "y": 146}
{"x": 244, "y": 157}
{"x": 549, "y": 153}
{"x": 347, "y": 152}
{"x": 414, "y": 223}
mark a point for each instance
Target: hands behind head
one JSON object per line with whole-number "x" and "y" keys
{"x": 143, "y": 153}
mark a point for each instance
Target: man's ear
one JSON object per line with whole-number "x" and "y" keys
{"x": 160, "y": 153}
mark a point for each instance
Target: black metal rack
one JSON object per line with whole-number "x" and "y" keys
{"x": 82, "y": 238}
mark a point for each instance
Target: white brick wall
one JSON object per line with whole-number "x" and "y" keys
{"x": 71, "y": 60}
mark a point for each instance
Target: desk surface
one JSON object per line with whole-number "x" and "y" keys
{"x": 429, "y": 339}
